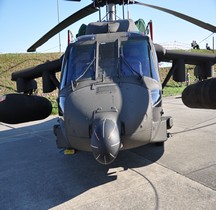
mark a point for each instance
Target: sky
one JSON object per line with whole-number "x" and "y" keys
{"x": 23, "y": 22}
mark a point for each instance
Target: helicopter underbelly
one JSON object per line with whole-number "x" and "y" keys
{"x": 128, "y": 104}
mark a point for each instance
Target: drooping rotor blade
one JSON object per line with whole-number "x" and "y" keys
{"x": 37, "y": 71}
{"x": 64, "y": 24}
{"x": 197, "y": 22}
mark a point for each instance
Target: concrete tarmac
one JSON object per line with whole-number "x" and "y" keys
{"x": 34, "y": 174}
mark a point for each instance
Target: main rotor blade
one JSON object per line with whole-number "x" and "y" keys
{"x": 197, "y": 22}
{"x": 64, "y": 24}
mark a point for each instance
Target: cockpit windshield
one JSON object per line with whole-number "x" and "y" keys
{"x": 120, "y": 57}
{"x": 135, "y": 59}
{"x": 81, "y": 62}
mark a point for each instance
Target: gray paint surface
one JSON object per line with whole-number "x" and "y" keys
{"x": 36, "y": 175}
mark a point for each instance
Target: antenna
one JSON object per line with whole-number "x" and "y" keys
{"x": 123, "y": 11}
{"x": 128, "y": 13}
{"x": 58, "y": 23}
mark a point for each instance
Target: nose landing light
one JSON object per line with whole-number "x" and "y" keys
{"x": 105, "y": 141}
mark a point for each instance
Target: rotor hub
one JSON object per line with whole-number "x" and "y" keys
{"x": 101, "y": 3}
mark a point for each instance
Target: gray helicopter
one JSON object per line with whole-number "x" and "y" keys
{"x": 110, "y": 92}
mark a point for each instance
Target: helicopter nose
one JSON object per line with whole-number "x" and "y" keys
{"x": 105, "y": 141}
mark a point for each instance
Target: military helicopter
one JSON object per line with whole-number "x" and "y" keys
{"x": 110, "y": 93}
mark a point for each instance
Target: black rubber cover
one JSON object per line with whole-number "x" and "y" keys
{"x": 200, "y": 95}
{"x": 19, "y": 108}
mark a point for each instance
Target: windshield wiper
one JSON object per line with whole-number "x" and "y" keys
{"x": 86, "y": 70}
{"x": 130, "y": 67}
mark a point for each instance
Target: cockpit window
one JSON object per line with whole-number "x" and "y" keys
{"x": 81, "y": 63}
{"x": 108, "y": 59}
{"x": 135, "y": 59}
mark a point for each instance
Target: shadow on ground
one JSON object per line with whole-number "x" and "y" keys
{"x": 36, "y": 175}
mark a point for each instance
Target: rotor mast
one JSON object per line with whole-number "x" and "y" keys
{"x": 111, "y": 14}
{"x": 111, "y": 11}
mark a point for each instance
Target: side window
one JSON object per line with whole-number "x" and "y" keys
{"x": 64, "y": 71}
{"x": 154, "y": 67}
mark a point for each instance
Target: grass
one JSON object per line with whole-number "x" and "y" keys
{"x": 54, "y": 104}
{"x": 10, "y": 63}
{"x": 173, "y": 90}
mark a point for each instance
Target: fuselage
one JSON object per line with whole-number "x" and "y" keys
{"x": 111, "y": 80}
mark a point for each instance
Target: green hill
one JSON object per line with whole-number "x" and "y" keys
{"x": 10, "y": 63}
{"x": 14, "y": 62}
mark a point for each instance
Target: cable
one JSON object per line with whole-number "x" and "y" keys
{"x": 36, "y": 59}
{"x": 206, "y": 37}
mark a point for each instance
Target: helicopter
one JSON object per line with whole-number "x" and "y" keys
{"x": 110, "y": 91}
